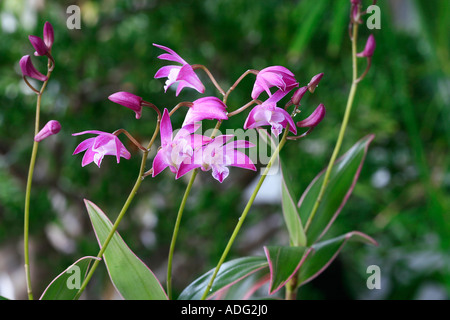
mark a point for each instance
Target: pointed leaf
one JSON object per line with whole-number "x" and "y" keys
{"x": 230, "y": 273}
{"x": 290, "y": 213}
{"x": 131, "y": 277}
{"x": 325, "y": 252}
{"x": 244, "y": 289}
{"x": 65, "y": 286}
{"x": 284, "y": 262}
{"x": 341, "y": 182}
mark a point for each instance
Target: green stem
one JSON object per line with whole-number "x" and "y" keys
{"x": 245, "y": 212}
{"x": 26, "y": 224}
{"x": 344, "y": 124}
{"x": 115, "y": 226}
{"x": 194, "y": 174}
{"x": 175, "y": 232}
{"x": 122, "y": 212}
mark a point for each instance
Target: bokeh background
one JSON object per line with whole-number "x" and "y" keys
{"x": 402, "y": 196}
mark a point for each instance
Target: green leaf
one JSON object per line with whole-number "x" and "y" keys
{"x": 290, "y": 214}
{"x": 131, "y": 277}
{"x": 230, "y": 273}
{"x": 284, "y": 262}
{"x": 323, "y": 253}
{"x": 3, "y": 298}
{"x": 65, "y": 286}
{"x": 341, "y": 182}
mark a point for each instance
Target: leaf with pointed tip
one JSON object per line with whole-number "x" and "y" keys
{"x": 131, "y": 277}
{"x": 341, "y": 183}
{"x": 65, "y": 286}
{"x": 230, "y": 273}
{"x": 323, "y": 253}
{"x": 291, "y": 217}
{"x": 284, "y": 262}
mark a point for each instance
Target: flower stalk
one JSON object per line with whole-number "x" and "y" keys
{"x": 244, "y": 213}
{"x": 344, "y": 124}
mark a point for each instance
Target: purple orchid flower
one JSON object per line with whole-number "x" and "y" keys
{"x": 28, "y": 69}
{"x": 176, "y": 149}
{"x": 275, "y": 76}
{"x": 206, "y": 108}
{"x": 52, "y": 127}
{"x": 217, "y": 156}
{"x": 96, "y": 148}
{"x": 184, "y": 75}
{"x": 268, "y": 113}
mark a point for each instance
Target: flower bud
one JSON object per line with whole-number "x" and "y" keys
{"x": 369, "y": 48}
{"x": 39, "y": 45}
{"x": 52, "y": 127}
{"x": 314, "y": 119}
{"x": 49, "y": 35}
{"x": 298, "y": 95}
{"x": 28, "y": 69}
{"x": 128, "y": 100}
{"x": 312, "y": 85}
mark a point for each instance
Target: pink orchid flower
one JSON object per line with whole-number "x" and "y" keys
{"x": 176, "y": 149}
{"x": 28, "y": 69}
{"x": 184, "y": 75}
{"x": 217, "y": 156}
{"x": 96, "y": 148}
{"x": 268, "y": 113}
{"x": 275, "y": 76}
{"x": 211, "y": 108}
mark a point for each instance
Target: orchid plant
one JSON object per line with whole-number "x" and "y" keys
{"x": 273, "y": 110}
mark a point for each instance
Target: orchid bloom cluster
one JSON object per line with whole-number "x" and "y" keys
{"x": 187, "y": 150}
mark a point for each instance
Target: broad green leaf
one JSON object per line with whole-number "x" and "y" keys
{"x": 341, "y": 182}
{"x": 323, "y": 253}
{"x": 230, "y": 273}
{"x": 284, "y": 262}
{"x": 65, "y": 286}
{"x": 3, "y": 298}
{"x": 290, "y": 214}
{"x": 131, "y": 277}
{"x": 246, "y": 288}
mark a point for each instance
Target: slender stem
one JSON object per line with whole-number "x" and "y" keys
{"x": 237, "y": 111}
{"x": 340, "y": 138}
{"x": 175, "y": 233}
{"x": 115, "y": 226}
{"x": 245, "y": 212}
{"x": 246, "y": 73}
{"x": 213, "y": 80}
{"x": 26, "y": 224}
{"x": 181, "y": 104}
{"x": 131, "y": 138}
{"x": 194, "y": 174}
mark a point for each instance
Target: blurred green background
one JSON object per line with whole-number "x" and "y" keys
{"x": 402, "y": 196}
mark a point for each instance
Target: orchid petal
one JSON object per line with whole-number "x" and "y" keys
{"x": 166, "y": 128}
